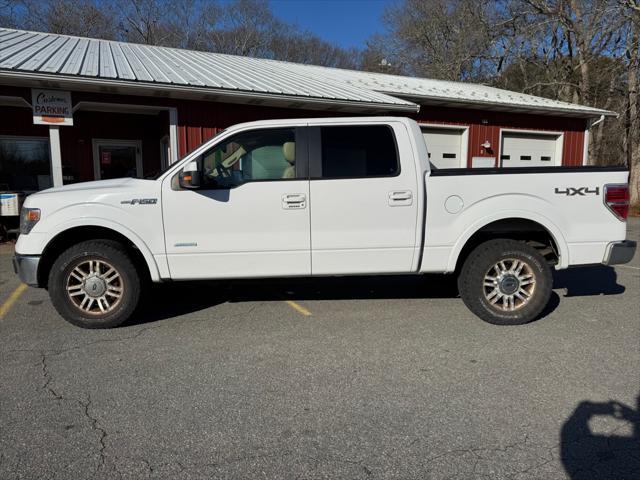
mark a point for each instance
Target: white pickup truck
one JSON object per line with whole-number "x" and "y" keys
{"x": 321, "y": 197}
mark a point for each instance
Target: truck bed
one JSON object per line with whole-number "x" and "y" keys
{"x": 567, "y": 201}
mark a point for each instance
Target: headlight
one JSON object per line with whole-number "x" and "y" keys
{"x": 28, "y": 219}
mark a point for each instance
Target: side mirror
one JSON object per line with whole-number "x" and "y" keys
{"x": 190, "y": 177}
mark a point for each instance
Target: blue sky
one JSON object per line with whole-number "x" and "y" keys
{"x": 347, "y": 23}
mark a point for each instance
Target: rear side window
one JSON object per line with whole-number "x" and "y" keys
{"x": 358, "y": 151}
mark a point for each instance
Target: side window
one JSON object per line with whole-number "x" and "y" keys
{"x": 268, "y": 154}
{"x": 358, "y": 151}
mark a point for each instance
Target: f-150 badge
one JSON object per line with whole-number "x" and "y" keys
{"x": 140, "y": 201}
{"x": 582, "y": 191}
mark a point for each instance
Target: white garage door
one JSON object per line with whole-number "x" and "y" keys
{"x": 528, "y": 150}
{"x": 444, "y": 146}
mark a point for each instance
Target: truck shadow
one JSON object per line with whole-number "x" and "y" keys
{"x": 588, "y": 281}
{"x": 165, "y": 301}
{"x": 587, "y": 451}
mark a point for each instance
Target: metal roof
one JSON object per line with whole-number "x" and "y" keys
{"x": 33, "y": 56}
{"x": 42, "y": 54}
{"x": 425, "y": 90}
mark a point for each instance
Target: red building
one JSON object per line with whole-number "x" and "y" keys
{"x": 136, "y": 108}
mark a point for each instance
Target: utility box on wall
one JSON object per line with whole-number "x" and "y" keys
{"x": 10, "y": 203}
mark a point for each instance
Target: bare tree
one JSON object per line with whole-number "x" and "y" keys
{"x": 8, "y": 14}
{"x": 244, "y": 27}
{"x": 87, "y": 18}
{"x": 632, "y": 127}
{"x": 448, "y": 39}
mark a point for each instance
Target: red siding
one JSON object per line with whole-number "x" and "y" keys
{"x": 200, "y": 120}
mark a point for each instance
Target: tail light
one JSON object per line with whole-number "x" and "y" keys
{"x": 616, "y": 198}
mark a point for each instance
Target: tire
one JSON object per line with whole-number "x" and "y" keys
{"x": 94, "y": 284}
{"x": 499, "y": 290}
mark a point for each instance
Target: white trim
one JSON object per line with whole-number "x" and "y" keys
{"x": 464, "y": 138}
{"x": 56, "y": 155}
{"x": 173, "y": 135}
{"x": 119, "y": 107}
{"x": 585, "y": 147}
{"x": 97, "y": 142}
{"x": 165, "y": 155}
{"x": 548, "y": 133}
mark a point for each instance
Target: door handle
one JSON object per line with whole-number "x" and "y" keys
{"x": 294, "y": 201}
{"x": 400, "y": 198}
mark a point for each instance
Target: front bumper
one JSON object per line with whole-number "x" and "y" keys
{"x": 26, "y": 266}
{"x": 620, "y": 252}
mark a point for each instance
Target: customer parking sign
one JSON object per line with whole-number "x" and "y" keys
{"x": 51, "y": 107}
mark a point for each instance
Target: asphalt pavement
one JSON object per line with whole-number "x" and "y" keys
{"x": 349, "y": 378}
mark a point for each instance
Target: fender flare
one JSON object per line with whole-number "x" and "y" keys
{"x": 154, "y": 272}
{"x": 543, "y": 221}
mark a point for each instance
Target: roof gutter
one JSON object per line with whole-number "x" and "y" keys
{"x": 511, "y": 106}
{"x": 30, "y": 79}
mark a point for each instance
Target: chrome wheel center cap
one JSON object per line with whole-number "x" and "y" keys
{"x": 509, "y": 284}
{"x": 95, "y": 286}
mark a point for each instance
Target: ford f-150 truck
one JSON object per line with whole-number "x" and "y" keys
{"x": 321, "y": 197}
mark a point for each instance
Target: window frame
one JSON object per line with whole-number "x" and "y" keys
{"x": 301, "y": 164}
{"x": 314, "y": 139}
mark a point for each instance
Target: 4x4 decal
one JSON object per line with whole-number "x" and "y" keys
{"x": 582, "y": 191}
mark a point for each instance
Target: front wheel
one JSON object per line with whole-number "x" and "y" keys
{"x": 94, "y": 284}
{"x": 505, "y": 282}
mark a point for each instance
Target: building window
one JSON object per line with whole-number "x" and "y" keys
{"x": 25, "y": 164}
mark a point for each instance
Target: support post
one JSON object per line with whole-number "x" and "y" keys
{"x": 173, "y": 136}
{"x": 56, "y": 155}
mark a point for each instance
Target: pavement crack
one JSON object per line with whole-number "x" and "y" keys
{"x": 47, "y": 378}
{"x": 85, "y": 406}
{"x": 95, "y": 425}
{"x": 54, "y": 352}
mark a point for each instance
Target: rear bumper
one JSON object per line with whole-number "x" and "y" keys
{"x": 620, "y": 252}
{"x": 26, "y": 266}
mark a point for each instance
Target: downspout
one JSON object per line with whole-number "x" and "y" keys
{"x": 585, "y": 148}
{"x": 597, "y": 121}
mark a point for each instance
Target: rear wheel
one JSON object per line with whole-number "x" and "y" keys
{"x": 505, "y": 282}
{"x": 94, "y": 284}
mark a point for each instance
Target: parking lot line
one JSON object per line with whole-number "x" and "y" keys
{"x": 298, "y": 308}
{"x": 628, "y": 266}
{"x": 6, "y": 306}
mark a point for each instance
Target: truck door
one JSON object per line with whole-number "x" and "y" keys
{"x": 364, "y": 203}
{"x": 250, "y": 218}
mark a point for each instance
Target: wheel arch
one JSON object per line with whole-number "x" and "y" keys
{"x": 530, "y": 228}
{"x": 72, "y": 235}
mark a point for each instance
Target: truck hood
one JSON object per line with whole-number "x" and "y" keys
{"x": 113, "y": 192}
{"x": 115, "y": 184}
